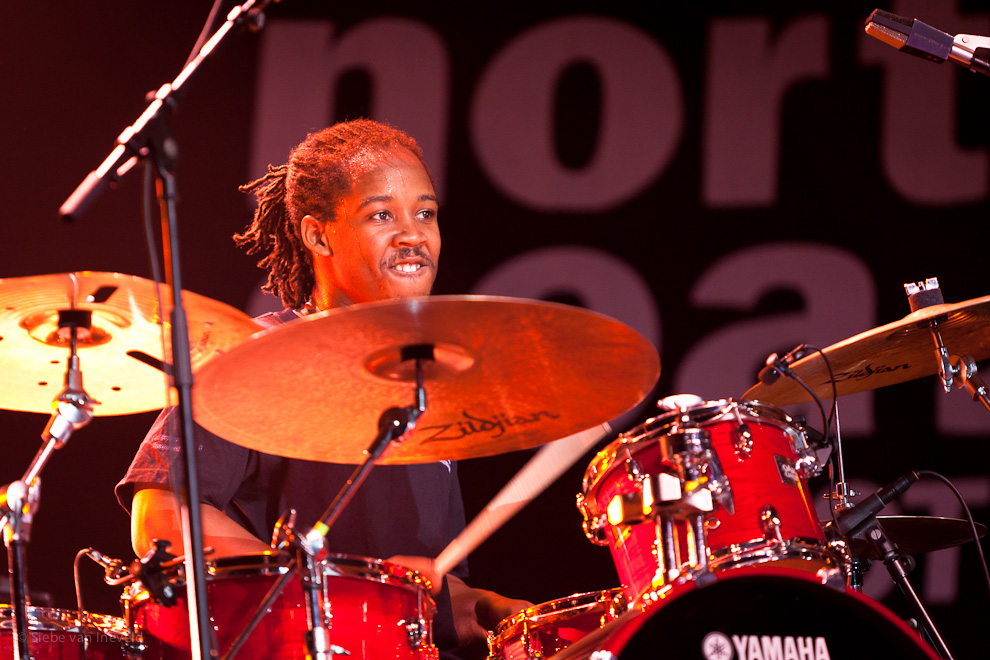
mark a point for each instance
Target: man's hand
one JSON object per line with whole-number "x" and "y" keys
{"x": 476, "y": 611}
{"x": 424, "y": 566}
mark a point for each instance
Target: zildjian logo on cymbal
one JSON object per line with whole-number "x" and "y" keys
{"x": 868, "y": 371}
{"x": 496, "y": 425}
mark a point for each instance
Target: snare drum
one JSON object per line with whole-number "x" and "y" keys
{"x": 753, "y": 612}
{"x": 372, "y": 610}
{"x": 65, "y": 635}
{"x": 542, "y": 630}
{"x": 763, "y": 455}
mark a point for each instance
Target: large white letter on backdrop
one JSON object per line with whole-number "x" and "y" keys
{"x": 641, "y": 121}
{"x": 750, "y": 69}
{"x": 839, "y": 301}
{"x": 301, "y": 62}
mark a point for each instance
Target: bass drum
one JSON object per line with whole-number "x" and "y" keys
{"x": 753, "y": 613}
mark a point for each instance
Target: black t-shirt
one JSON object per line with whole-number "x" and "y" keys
{"x": 399, "y": 509}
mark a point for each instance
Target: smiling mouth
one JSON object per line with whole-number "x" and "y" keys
{"x": 409, "y": 261}
{"x": 407, "y": 268}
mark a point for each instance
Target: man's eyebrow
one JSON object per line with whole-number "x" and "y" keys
{"x": 388, "y": 198}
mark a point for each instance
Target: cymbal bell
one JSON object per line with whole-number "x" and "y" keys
{"x": 120, "y": 347}
{"x": 894, "y": 353}
{"x": 507, "y": 374}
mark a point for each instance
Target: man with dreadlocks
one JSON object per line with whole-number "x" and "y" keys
{"x": 350, "y": 218}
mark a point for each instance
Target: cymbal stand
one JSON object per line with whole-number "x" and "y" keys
{"x": 959, "y": 371}
{"x": 952, "y": 369}
{"x": 72, "y": 410}
{"x": 311, "y": 546}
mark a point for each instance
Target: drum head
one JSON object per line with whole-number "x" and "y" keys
{"x": 759, "y": 615}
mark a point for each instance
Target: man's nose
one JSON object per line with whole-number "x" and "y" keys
{"x": 408, "y": 233}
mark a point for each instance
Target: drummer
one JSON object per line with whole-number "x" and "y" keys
{"x": 350, "y": 218}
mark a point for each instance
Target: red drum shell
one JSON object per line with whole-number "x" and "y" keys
{"x": 369, "y": 606}
{"x": 542, "y": 630}
{"x": 765, "y": 475}
{"x": 754, "y": 612}
{"x": 65, "y": 635}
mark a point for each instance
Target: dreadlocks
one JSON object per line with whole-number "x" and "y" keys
{"x": 319, "y": 172}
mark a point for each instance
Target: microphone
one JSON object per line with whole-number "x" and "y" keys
{"x": 777, "y": 366}
{"x": 113, "y": 568}
{"x": 916, "y": 38}
{"x": 847, "y": 520}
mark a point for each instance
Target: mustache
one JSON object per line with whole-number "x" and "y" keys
{"x": 408, "y": 253}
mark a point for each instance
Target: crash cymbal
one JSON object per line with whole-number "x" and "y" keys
{"x": 509, "y": 374}
{"x": 891, "y": 354}
{"x": 117, "y": 353}
{"x": 915, "y": 535}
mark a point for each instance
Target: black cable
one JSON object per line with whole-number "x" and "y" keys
{"x": 969, "y": 518}
{"x": 832, "y": 440}
{"x": 205, "y": 32}
{"x": 75, "y": 578}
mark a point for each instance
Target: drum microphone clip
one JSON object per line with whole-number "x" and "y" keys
{"x": 115, "y": 571}
{"x": 781, "y": 366}
{"x": 152, "y": 571}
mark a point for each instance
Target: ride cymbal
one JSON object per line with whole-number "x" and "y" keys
{"x": 118, "y": 351}
{"x": 891, "y": 354}
{"x": 508, "y": 374}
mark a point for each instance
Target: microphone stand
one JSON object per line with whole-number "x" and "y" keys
{"x": 899, "y": 567}
{"x": 150, "y": 136}
{"x": 393, "y": 424}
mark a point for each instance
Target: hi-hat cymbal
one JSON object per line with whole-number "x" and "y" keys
{"x": 116, "y": 353}
{"x": 891, "y": 354}
{"x": 915, "y": 535}
{"x": 508, "y": 374}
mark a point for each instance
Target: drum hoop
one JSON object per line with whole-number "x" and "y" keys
{"x": 273, "y": 562}
{"x": 71, "y": 621}
{"x": 761, "y": 551}
{"x": 554, "y": 610}
{"x": 335, "y": 564}
{"x": 750, "y": 410}
{"x": 374, "y": 570}
{"x": 270, "y": 562}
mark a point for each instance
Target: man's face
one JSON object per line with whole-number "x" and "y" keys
{"x": 385, "y": 241}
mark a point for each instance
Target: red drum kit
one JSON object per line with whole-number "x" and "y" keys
{"x": 705, "y": 507}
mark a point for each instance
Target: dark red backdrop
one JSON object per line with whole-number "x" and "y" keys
{"x": 729, "y": 181}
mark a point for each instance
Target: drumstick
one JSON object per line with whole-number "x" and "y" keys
{"x": 549, "y": 463}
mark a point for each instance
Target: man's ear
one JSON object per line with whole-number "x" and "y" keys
{"x": 314, "y": 237}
